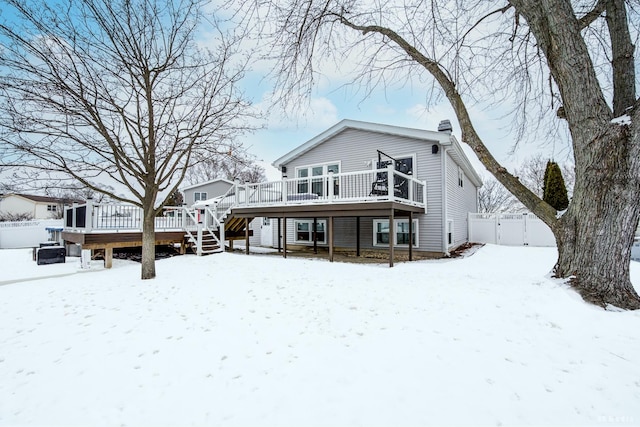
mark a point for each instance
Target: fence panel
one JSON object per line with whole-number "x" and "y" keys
{"x": 483, "y": 228}
{"x": 539, "y": 233}
{"x": 25, "y": 234}
{"x": 509, "y": 229}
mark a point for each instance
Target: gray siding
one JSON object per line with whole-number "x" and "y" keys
{"x": 355, "y": 150}
{"x": 460, "y": 201}
{"x": 213, "y": 189}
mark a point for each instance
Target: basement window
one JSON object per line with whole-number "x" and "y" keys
{"x": 381, "y": 232}
{"x": 304, "y": 231}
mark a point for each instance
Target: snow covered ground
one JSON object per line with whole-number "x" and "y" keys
{"x": 257, "y": 340}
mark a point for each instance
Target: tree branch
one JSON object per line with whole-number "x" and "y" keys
{"x": 469, "y": 134}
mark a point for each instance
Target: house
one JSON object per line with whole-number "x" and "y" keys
{"x": 205, "y": 190}
{"x": 358, "y": 183}
{"x": 35, "y": 207}
{"x": 357, "y": 186}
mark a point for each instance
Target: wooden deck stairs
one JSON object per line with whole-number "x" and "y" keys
{"x": 234, "y": 227}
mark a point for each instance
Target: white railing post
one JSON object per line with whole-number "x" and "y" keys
{"x": 184, "y": 214}
{"x": 222, "y": 236}
{"x": 424, "y": 194}
{"x": 285, "y": 188}
{"x": 88, "y": 222}
{"x": 390, "y": 180}
{"x": 330, "y": 187}
{"x": 74, "y": 206}
{"x": 206, "y": 216}
{"x": 411, "y": 184}
{"x": 199, "y": 240}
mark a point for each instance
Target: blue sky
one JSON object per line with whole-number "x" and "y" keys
{"x": 401, "y": 106}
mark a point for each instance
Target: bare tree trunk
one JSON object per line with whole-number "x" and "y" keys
{"x": 148, "y": 244}
{"x": 595, "y": 235}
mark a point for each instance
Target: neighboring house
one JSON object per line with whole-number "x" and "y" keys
{"x": 205, "y": 191}
{"x": 38, "y": 207}
{"x": 339, "y": 181}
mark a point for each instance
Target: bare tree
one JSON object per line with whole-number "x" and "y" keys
{"x": 237, "y": 163}
{"x": 493, "y": 197}
{"x": 117, "y": 90}
{"x": 564, "y": 57}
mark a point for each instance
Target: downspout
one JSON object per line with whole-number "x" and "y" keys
{"x": 445, "y": 244}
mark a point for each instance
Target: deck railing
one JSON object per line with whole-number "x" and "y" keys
{"x": 361, "y": 186}
{"x": 121, "y": 217}
{"x": 349, "y": 187}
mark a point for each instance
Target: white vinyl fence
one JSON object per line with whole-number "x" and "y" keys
{"x": 510, "y": 229}
{"x": 26, "y": 234}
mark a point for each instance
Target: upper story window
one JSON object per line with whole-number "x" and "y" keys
{"x": 460, "y": 177}
{"x": 199, "y": 195}
{"x": 318, "y": 186}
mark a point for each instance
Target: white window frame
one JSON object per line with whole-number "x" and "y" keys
{"x": 450, "y": 232}
{"x": 52, "y": 208}
{"x": 310, "y": 175}
{"x": 202, "y": 196}
{"x": 460, "y": 177}
{"x": 396, "y": 221}
{"x": 310, "y": 223}
{"x": 414, "y": 157}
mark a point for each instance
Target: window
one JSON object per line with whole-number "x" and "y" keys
{"x": 460, "y": 177}
{"x": 303, "y": 185}
{"x": 52, "y": 208}
{"x": 318, "y": 185}
{"x": 304, "y": 231}
{"x": 449, "y": 232}
{"x": 199, "y": 195}
{"x": 401, "y": 226}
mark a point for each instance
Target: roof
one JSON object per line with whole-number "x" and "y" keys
{"x": 200, "y": 184}
{"x": 442, "y": 138}
{"x": 45, "y": 199}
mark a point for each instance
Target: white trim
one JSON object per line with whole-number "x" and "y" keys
{"x": 201, "y": 198}
{"x": 450, "y": 230}
{"x": 443, "y": 168}
{"x": 396, "y": 221}
{"x": 310, "y": 177}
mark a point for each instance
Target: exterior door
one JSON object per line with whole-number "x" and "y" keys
{"x": 266, "y": 232}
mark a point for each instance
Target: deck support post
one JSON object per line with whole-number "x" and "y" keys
{"x": 357, "y": 236}
{"x": 246, "y": 236}
{"x": 199, "y": 240}
{"x": 108, "y": 257}
{"x": 331, "y": 239}
{"x": 279, "y": 234}
{"x": 315, "y": 235}
{"x": 230, "y": 245}
{"x": 391, "y": 238}
{"x": 284, "y": 237}
{"x": 410, "y": 236}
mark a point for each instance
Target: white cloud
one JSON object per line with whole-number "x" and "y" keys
{"x": 314, "y": 114}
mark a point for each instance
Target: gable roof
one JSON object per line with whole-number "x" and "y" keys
{"x": 442, "y": 138}
{"x": 200, "y": 184}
